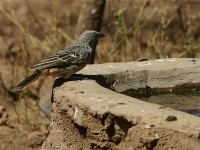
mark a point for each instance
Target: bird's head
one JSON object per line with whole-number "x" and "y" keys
{"x": 90, "y": 36}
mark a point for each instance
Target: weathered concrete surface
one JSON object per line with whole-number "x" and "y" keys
{"x": 150, "y": 77}
{"x": 86, "y": 115}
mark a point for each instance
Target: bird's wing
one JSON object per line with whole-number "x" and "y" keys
{"x": 69, "y": 56}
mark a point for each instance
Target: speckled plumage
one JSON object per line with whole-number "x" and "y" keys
{"x": 66, "y": 61}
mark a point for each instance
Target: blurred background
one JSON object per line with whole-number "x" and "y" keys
{"x": 31, "y": 30}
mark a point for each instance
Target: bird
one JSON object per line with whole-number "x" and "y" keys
{"x": 65, "y": 62}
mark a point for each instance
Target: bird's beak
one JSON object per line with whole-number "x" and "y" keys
{"x": 101, "y": 35}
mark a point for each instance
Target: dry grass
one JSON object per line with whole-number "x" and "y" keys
{"x": 32, "y": 30}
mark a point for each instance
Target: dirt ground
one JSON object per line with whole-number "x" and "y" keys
{"x": 21, "y": 133}
{"x": 31, "y": 30}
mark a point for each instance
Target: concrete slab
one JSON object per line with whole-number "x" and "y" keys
{"x": 86, "y": 115}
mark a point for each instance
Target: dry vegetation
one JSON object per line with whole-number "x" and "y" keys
{"x": 33, "y": 29}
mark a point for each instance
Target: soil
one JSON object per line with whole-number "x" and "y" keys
{"x": 20, "y": 135}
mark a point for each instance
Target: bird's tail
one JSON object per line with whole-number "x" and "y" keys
{"x": 29, "y": 80}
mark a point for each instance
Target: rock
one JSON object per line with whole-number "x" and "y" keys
{"x": 149, "y": 77}
{"x": 86, "y": 115}
{"x": 171, "y": 118}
